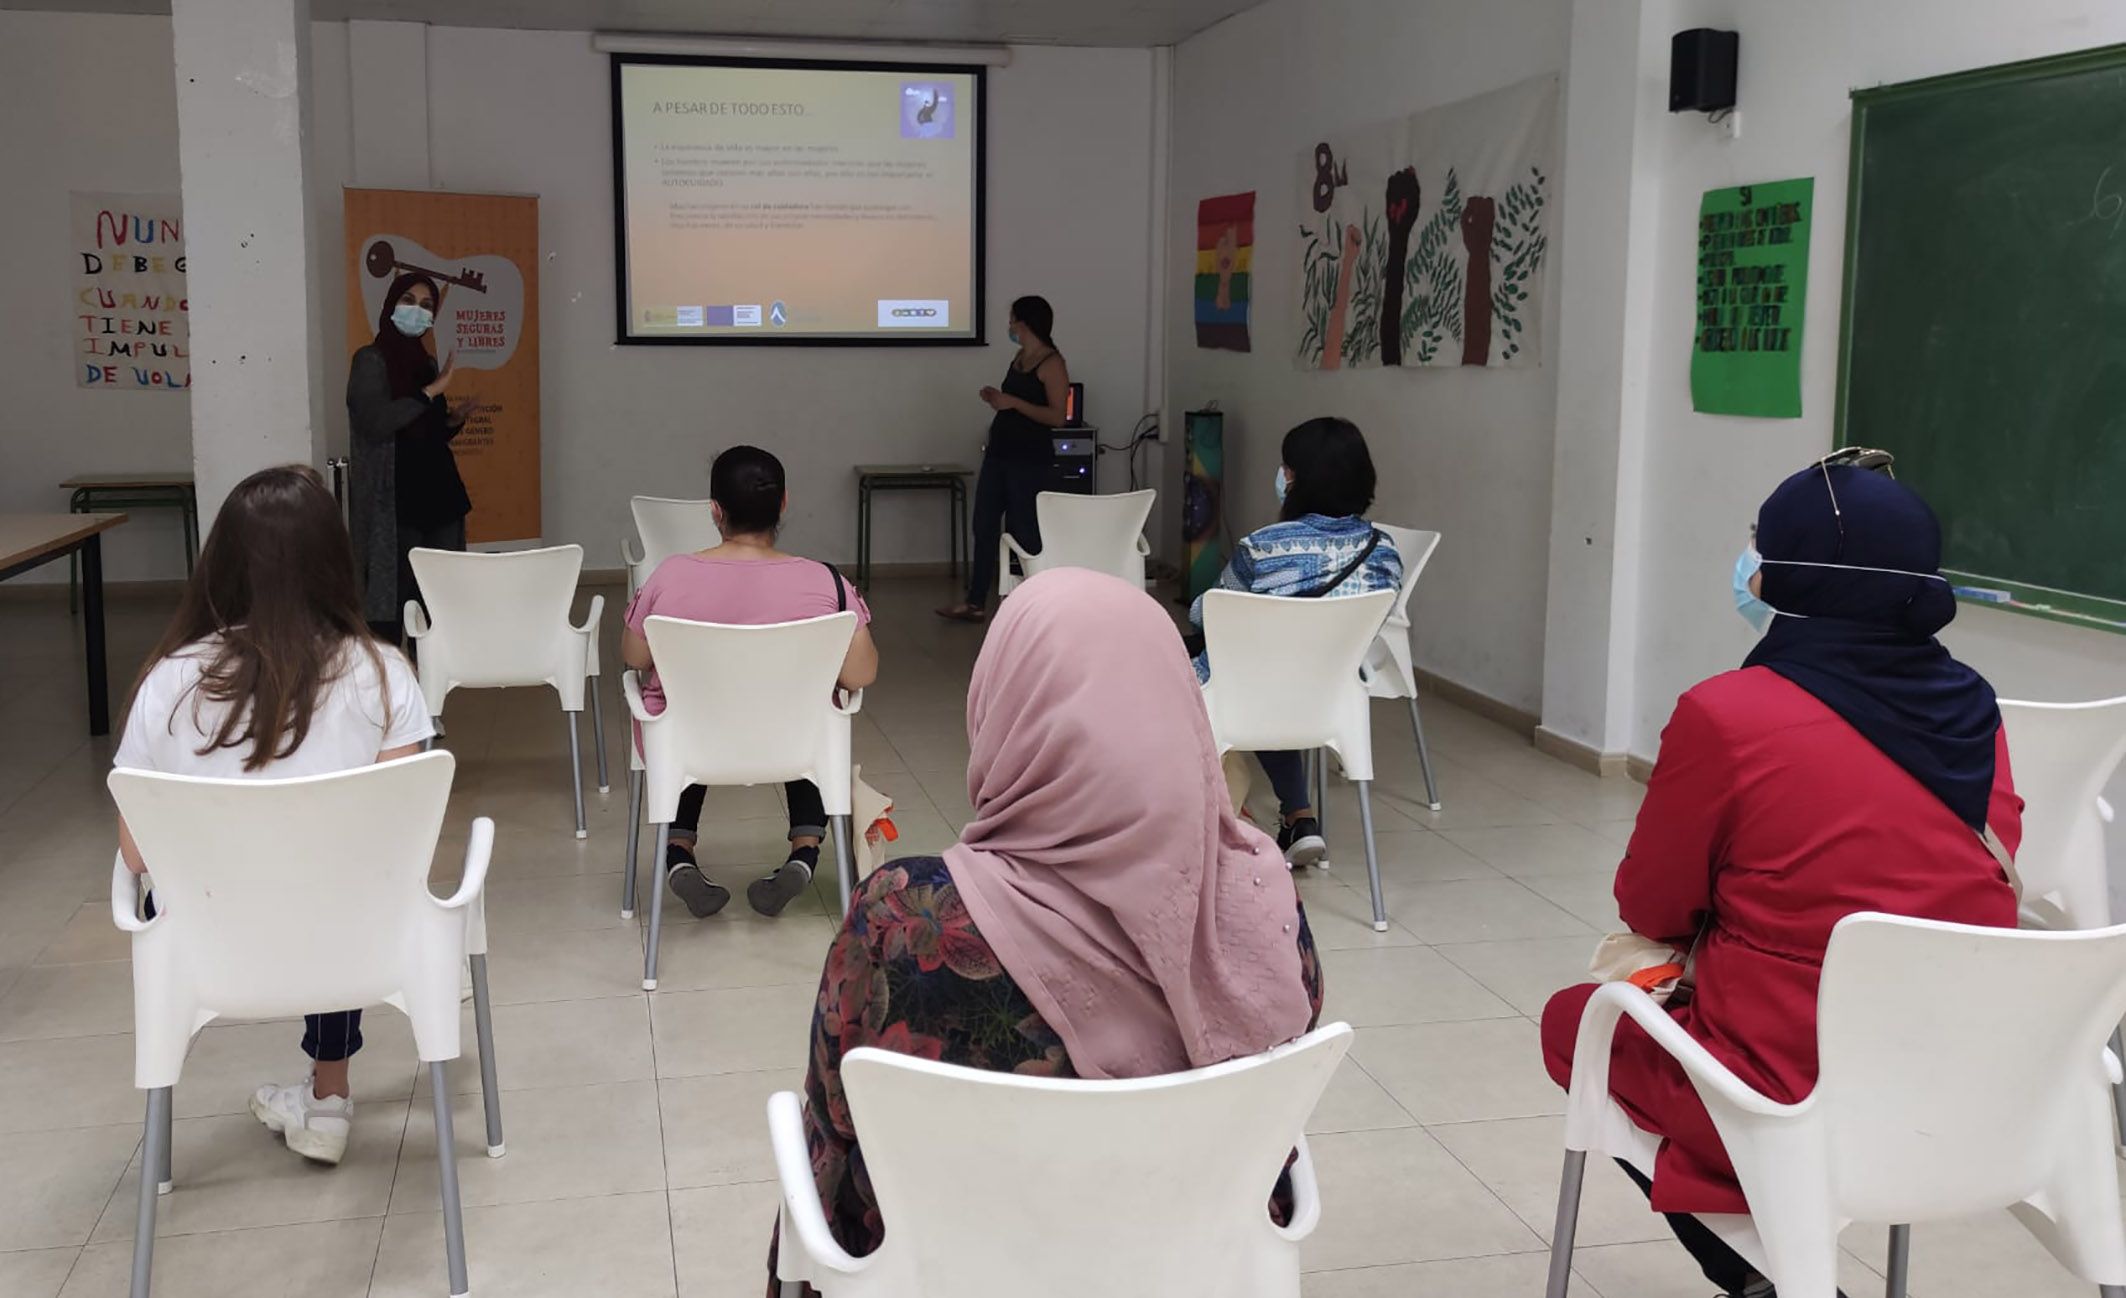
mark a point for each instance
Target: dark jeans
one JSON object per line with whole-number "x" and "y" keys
{"x": 1288, "y": 776}
{"x": 442, "y": 536}
{"x": 1003, "y": 496}
{"x": 329, "y": 1038}
{"x": 808, "y": 813}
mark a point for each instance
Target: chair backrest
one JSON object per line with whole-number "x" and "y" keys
{"x": 1045, "y": 1188}
{"x": 1096, "y": 532}
{"x": 747, "y": 704}
{"x": 668, "y": 527}
{"x": 1956, "y": 1060}
{"x": 277, "y": 897}
{"x": 499, "y": 619}
{"x": 1414, "y": 547}
{"x": 1285, "y": 672}
{"x": 2063, "y": 755}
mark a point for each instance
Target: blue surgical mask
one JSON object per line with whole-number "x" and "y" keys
{"x": 1753, "y": 610}
{"x": 1012, "y": 334}
{"x": 411, "y": 319}
{"x": 1282, "y": 485}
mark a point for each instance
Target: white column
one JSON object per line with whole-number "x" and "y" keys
{"x": 1606, "y": 306}
{"x": 243, "y": 120}
{"x": 387, "y": 64}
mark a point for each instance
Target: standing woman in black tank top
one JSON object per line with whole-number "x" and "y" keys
{"x": 1015, "y": 464}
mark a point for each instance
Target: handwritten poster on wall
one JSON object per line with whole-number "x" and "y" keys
{"x": 482, "y": 252}
{"x": 1753, "y": 281}
{"x": 132, "y": 329}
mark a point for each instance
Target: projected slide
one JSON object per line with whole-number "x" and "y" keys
{"x": 819, "y": 203}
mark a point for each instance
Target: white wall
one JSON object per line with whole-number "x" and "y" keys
{"x": 90, "y": 103}
{"x": 1463, "y": 451}
{"x": 1705, "y": 475}
{"x": 529, "y": 112}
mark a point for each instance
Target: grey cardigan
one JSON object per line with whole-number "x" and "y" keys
{"x": 374, "y": 418}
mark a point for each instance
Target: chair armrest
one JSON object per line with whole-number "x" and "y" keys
{"x": 125, "y": 895}
{"x": 1306, "y": 1197}
{"x": 2103, "y": 809}
{"x": 631, "y": 690}
{"x": 848, "y": 702}
{"x": 591, "y": 618}
{"x": 417, "y": 625}
{"x": 1587, "y": 1103}
{"x": 479, "y": 848}
{"x": 631, "y": 552}
{"x": 1011, "y": 544}
{"x": 804, "y": 1223}
{"x": 1144, "y": 546}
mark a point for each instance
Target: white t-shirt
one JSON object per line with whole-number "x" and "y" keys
{"x": 358, "y": 716}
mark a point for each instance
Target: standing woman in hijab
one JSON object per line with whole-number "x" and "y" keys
{"x": 1105, "y": 914}
{"x": 405, "y": 487}
{"x": 1851, "y": 765}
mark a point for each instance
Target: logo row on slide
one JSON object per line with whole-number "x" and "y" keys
{"x": 914, "y": 313}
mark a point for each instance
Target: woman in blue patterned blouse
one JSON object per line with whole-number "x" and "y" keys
{"x": 1321, "y": 544}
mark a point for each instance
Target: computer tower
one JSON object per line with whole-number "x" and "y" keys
{"x": 1071, "y": 466}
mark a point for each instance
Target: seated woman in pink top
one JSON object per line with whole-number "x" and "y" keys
{"x": 746, "y": 581}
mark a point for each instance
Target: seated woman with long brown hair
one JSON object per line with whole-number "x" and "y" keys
{"x": 268, "y": 671}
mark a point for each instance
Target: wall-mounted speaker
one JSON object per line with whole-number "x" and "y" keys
{"x": 1701, "y": 70}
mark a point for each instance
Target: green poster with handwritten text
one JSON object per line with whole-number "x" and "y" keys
{"x": 1753, "y": 284}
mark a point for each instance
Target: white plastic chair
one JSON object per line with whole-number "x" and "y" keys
{"x": 1103, "y": 533}
{"x": 1394, "y": 677}
{"x": 281, "y": 897}
{"x": 743, "y": 705}
{"x": 495, "y": 621}
{"x": 1046, "y": 1188}
{"x": 2063, "y": 755}
{"x": 666, "y": 527}
{"x": 1290, "y": 674}
{"x": 1962, "y": 1070}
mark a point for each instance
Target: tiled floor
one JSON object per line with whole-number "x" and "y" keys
{"x": 638, "y": 1163}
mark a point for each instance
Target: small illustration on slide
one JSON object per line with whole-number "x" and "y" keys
{"x": 926, "y": 111}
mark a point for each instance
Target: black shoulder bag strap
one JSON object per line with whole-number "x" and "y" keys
{"x": 1372, "y": 543}
{"x": 841, "y": 589}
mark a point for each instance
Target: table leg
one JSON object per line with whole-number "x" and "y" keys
{"x": 92, "y": 633}
{"x": 78, "y": 503}
{"x": 863, "y": 534}
{"x": 190, "y": 508}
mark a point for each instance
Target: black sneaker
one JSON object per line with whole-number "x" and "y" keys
{"x": 1302, "y": 843}
{"x": 771, "y": 893}
{"x": 703, "y": 896}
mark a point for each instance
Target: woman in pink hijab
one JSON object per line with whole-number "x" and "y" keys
{"x": 1103, "y": 915}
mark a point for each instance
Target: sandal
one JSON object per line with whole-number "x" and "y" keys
{"x": 963, "y": 613}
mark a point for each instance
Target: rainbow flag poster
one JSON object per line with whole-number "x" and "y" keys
{"x": 1225, "y": 252}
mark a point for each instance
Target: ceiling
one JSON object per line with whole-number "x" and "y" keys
{"x": 1051, "y": 22}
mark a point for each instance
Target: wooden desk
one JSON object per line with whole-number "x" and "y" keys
{"x": 949, "y": 478}
{"x": 96, "y": 493}
{"x": 31, "y": 540}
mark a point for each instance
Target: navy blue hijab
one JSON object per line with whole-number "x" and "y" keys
{"x": 1863, "y": 642}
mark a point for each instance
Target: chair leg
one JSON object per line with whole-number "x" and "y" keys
{"x": 1365, "y": 823}
{"x": 483, "y": 1020}
{"x": 447, "y": 1167}
{"x": 575, "y": 767}
{"x": 1321, "y": 800}
{"x": 634, "y": 843}
{"x": 605, "y": 783}
{"x": 844, "y": 861}
{"x": 153, "y": 1132}
{"x": 657, "y": 890}
{"x": 169, "y": 1146}
{"x": 1424, "y": 756}
{"x": 2112, "y": 1290}
{"x": 1568, "y": 1225}
{"x": 1899, "y": 1269}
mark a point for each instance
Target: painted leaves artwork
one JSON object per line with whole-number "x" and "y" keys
{"x": 1425, "y": 238}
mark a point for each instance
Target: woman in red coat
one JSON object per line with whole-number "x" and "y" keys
{"x": 1851, "y": 765}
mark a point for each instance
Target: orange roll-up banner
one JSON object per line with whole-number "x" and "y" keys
{"x": 483, "y": 251}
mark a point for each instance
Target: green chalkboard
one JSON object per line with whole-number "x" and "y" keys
{"x": 1984, "y": 333}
